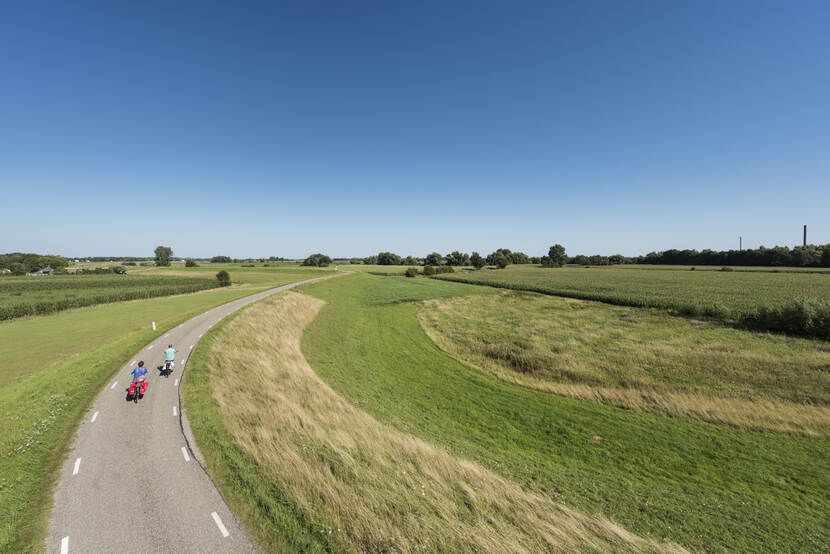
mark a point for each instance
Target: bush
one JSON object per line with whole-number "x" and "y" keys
{"x": 802, "y": 316}
{"x": 130, "y": 263}
{"x": 119, "y": 270}
{"x": 692, "y": 268}
{"x": 411, "y": 272}
{"x": 224, "y": 278}
{"x": 190, "y": 263}
{"x": 248, "y": 265}
{"x": 726, "y": 269}
{"x": 220, "y": 260}
{"x": 433, "y": 270}
{"x": 317, "y": 260}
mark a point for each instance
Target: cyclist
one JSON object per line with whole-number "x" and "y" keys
{"x": 169, "y": 356}
{"x": 139, "y": 384}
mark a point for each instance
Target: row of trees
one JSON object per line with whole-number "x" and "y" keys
{"x": 19, "y": 263}
{"x": 811, "y": 255}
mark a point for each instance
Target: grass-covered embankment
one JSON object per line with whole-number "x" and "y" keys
{"x": 308, "y": 471}
{"x": 789, "y": 302}
{"x": 51, "y": 367}
{"x": 704, "y": 486}
{"x": 640, "y": 359}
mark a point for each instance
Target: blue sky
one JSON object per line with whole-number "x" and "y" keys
{"x": 285, "y": 128}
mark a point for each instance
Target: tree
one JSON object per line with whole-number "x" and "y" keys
{"x": 224, "y": 278}
{"x": 502, "y": 261}
{"x": 557, "y": 255}
{"x": 388, "y": 258}
{"x": 410, "y": 261}
{"x": 190, "y": 262}
{"x": 317, "y": 260}
{"x": 163, "y": 254}
{"x": 477, "y": 261}
{"x": 220, "y": 260}
{"x": 616, "y": 259}
{"x": 456, "y": 258}
{"x": 434, "y": 259}
{"x": 370, "y": 260}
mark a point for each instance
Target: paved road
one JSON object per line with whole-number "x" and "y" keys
{"x": 133, "y": 481}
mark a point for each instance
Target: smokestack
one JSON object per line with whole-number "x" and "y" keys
{"x": 805, "y": 235}
{"x": 740, "y": 243}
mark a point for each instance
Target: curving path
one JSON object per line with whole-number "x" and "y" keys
{"x": 133, "y": 481}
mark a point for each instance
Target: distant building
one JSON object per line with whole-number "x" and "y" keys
{"x": 4, "y": 270}
{"x": 71, "y": 270}
{"x": 45, "y": 271}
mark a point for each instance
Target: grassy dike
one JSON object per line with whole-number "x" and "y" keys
{"x": 274, "y": 523}
{"x": 704, "y": 486}
{"x": 305, "y": 470}
{"x": 51, "y": 368}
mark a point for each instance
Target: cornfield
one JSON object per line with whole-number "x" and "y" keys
{"x": 788, "y": 302}
{"x": 23, "y": 296}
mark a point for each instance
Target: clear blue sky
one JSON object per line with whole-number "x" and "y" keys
{"x": 285, "y": 128}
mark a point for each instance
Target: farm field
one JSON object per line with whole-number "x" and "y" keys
{"x": 729, "y": 296}
{"x": 706, "y": 487}
{"x": 640, "y": 359}
{"x": 22, "y": 296}
{"x": 51, "y": 366}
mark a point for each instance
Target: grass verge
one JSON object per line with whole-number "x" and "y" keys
{"x": 706, "y": 487}
{"x": 273, "y": 433}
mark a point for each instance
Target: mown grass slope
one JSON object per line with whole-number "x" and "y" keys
{"x": 704, "y": 486}
{"x": 309, "y": 471}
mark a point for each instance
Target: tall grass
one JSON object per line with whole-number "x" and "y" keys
{"x": 361, "y": 485}
{"x": 645, "y": 361}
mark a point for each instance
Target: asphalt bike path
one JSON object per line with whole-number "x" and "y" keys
{"x": 133, "y": 480}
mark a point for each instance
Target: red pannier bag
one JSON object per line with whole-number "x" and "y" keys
{"x": 143, "y": 387}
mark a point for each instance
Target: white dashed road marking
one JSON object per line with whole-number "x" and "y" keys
{"x": 167, "y": 335}
{"x": 184, "y": 453}
{"x": 176, "y": 383}
{"x": 191, "y": 347}
{"x": 132, "y": 362}
{"x": 93, "y": 417}
{"x": 174, "y": 410}
{"x": 65, "y": 545}
{"x": 113, "y": 384}
{"x": 219, "y": 524}
{"x": 200, "y": 336}
{"x": 77, "y": 466}
{"x": 150, "y": 347}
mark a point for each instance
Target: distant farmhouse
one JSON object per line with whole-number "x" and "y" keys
{"x": 72, "y": 270}
{"x": 45, "y": 271}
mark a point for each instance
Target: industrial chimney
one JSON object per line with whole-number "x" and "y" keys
{"x": 805, "y": 235}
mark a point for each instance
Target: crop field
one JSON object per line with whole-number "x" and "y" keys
{"x": 22, "y": 296}
{"x": 53, "y": 365}
{"x": 791, "y": 302}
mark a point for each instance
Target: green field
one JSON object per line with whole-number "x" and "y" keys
{"x": 22, "y": 296}
{"x": 796, "y": 302}
{"x": 52, "y": 366}
{"x": 707, "y": 487}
